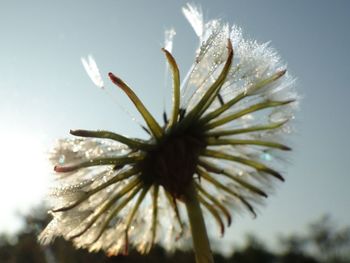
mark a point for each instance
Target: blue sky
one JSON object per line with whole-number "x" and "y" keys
{"x": 44, "y": 90}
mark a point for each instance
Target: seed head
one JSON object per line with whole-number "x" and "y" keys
{"x": 225, "y": 127}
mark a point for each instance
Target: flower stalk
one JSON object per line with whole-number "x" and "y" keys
{"x": 200, "y": 239}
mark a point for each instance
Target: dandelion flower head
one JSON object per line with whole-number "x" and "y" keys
{"x": 224, "y": 137}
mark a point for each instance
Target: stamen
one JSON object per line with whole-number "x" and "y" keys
{"x": 221, "y": 100}
{"x": 132, "y": 143}
{"x": 253, "y": 108}
{"x": 151, "y": 122}
{"x": 165, "y": 118}
{"x": 256, "y": 165}
{"x": 182, "y": 114}
{"x": 146, "y": 130}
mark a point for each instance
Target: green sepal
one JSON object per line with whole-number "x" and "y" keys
{"x": 212, "y": 91}
{"x": 132, "y": 143}
{"x": 107, "y": 205}
{"x": 132, "y": 192}
{"x": 256, "y": 165}
{"x": 250, "y": 109}
{"x": 216, "y": 202}
{"x": 117, "y": 178}
{"x": 173, "y": 203}
{"x": 121, "y": 160}
{"x": 217, "y": 184}
{"x": 253, "y": 88}
{"x": 132, "y": 214}
{"x": 149, "y": 119}
{"x": 176, "y": 87}
{"x": 215, "y": 141}
{"x": 214, "y": 169}
{"x": 255, "y": 128}
{"x": 213, "y": 212}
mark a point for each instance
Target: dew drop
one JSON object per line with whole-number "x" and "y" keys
{"x": 279, "y": 116}
{"x": 266, "y": 156}
{"x": 61, "y": 159}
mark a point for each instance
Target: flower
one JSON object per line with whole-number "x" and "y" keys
{"x": 222, "y": 138}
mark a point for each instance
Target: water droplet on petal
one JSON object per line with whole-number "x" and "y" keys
{"x": 61, "y": 159}
{"x": 266, "y": 156}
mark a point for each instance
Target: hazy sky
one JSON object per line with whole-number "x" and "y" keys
{"x": 44, "y": 90}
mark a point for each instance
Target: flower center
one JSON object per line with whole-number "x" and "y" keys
{"x": 173, "y": 162}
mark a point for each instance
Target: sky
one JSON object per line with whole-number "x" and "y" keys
{"x": 45, "y": 92}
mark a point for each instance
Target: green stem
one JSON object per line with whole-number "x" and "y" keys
{"x": 199, "y": 233}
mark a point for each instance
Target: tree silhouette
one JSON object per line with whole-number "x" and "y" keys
{"x": 322, "y": 243}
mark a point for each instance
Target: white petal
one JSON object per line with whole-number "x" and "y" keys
{"x": 195, "y": 17}
{"x": 168, "y": 39}
{"x": 252, "y": 62}
{"x": 210, "y": 58}
{"x": 92, "y": 70}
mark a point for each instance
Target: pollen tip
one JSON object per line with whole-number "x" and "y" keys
{"x": 79, "y": 133}
{"x": 274, "y": 173}
{"x": 229, "y": 45}
{"x": 287, "y": 148}
{"x": 280, "y": 74}
{"x": 62, "y": 169}
{"x": 286, "y": 102}
{"x": 113, "y": 78}
{"x": 111, "y": 75}
{"x": 126, "y": 245}
{"x": 283, "y": 122}
{"x": 167, "y": 54}
{"x": 222, "y": 231}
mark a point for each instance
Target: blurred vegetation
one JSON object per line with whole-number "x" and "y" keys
{"x": 322, "y": 242}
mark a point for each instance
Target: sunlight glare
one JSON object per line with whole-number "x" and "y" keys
{"x": 24, "y": 177}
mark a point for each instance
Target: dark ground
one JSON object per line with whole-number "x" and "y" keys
{"x": 321, "y": 243}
